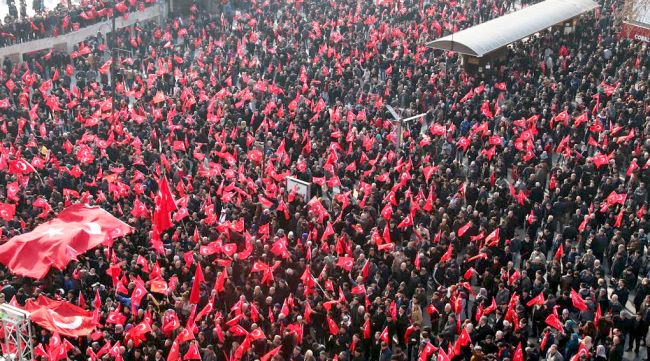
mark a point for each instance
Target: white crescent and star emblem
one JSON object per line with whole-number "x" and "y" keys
{"x": 52, "y": 231}
{"x": 74, "y": 324}
{"x": 94, "y": 228}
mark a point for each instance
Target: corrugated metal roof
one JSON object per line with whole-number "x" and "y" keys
{"x": 494, "y": 34}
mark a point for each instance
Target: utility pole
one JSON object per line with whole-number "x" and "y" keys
{"x": 400, "y": 122}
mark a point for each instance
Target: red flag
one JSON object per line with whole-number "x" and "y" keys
{"x": 598, "y": 315}
{"x": 384, "y": 336}
{"x": 334, "y": 328}
{"x": 60, "y": 316}
{"x": 519, "y": 354}
{"x": 619, "y": 219}
{"x": 174, "y": 352}
{"x": 97, "y": 301}
{"x": 464, "y": 338}
{"x": 462, "y": 230}
{"x": 165, "y": 204}
{"x": 20, "y": 166}
{"x": 577, "y": 301}
{"x": 74, "y": 231}
{"x": 485, "y": 110}
{"x": 346, "y": 263}
{"x": 406, "y": 222}
{"x": 192, "y": 353}
{"x": 82, "y": 301}
{"x": 427, "y": 351}
{"x": 270, "y": 354}
{"x": 121, "y": 7}
{"x": 366, "y": 329}
{"x": 537, "y": 300}
{"x": 632, "y": 168}
{"x": 493, "y": 236}
{"x": 138, "y": 293}
{"x": 7, "y": 212}
{"x": 560, "y": 252}
{"x": 616, "y": 198}
{"x": 196, "y": 285}
{"x": 447, "y": 255}
{"x": 106, "y": 67}
{"x": 553, "y": 321}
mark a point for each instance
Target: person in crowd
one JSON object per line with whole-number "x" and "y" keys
{"x": 510, "y": 222}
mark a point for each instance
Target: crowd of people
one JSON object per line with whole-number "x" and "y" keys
{"x": 64, "y": 18}
{"x": 509, "y": 223}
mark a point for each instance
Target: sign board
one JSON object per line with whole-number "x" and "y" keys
{"x": 636, "y": 32}
{"x": 303, "y": 188}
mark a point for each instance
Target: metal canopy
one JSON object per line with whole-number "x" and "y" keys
{"x": 497, "y": 33}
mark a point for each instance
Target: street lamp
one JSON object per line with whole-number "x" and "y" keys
{"x": 401, "y": 121}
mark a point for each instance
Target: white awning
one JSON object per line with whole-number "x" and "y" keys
{"x": 497, "y": 33}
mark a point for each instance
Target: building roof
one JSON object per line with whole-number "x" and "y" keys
{"x": 640, "y": 13}
{"x": 494, "y": 34}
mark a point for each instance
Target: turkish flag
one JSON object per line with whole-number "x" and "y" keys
{"x": 537, "y": 300}
{"x": 196, "y": 284}
{"x": 447, "y": 255}
{"x": 384, "y": 336}
{"x": 165, "y": 204}
{"x": 427, "y": 351}
{"x": 170, "y": 322}
{"x": 74, "y": 231}
{"x": 519, "y": 354}
{"x": 20, "y": 166}
{"x": 121, "y": 7}
{"x": 560, "y": 252}
{"x": 7, "y": 211}
{"x": 60, "y": 316}
{"x": 192, "y": 353}
{"x": 269, "y": 355}
{"x": 614, "y": 198}
{"x": 553, "y": 321}
{"x": 138, "y": 293}
{"x": 346, "y": 263}
{"x": 358, "y": 289}
{"x": 493, "y": 236}
{"x": 406, "y": 222}
{"x": 500, "y": 86}
{"x": 106, "y": 67}
{"x": 334, "y": 328}
{"x": 577, "y": 301}
{"x": 463, "y": 229}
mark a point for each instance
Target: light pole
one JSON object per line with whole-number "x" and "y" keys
{"x": 400, "y": 122}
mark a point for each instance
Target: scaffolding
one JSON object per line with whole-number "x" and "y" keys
{"x": 17, "y": 333}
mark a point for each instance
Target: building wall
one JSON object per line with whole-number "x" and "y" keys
{"x": 67, "y": 41}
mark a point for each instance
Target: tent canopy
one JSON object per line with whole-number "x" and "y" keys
{"x": 497, "y": 33}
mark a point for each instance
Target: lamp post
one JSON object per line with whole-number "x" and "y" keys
{"x": 400, "y": 121}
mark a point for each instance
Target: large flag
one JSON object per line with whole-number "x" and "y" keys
{"x": 60, "y": 316}
{"x": 77, "y": 229}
